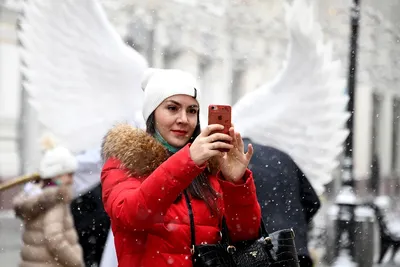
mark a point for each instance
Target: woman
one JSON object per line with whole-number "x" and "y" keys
{"x": 49, "y": 237}
{"x": 145, "y": 175}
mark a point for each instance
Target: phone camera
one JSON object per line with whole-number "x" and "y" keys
{"x": 213, "y": 107}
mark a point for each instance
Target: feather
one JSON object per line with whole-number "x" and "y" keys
{"x": 303, "y": 110}
{"x": 80, "y": 75}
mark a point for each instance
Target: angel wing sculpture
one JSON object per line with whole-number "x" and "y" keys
{"x": 72, "y": 54}
{"x": 303, "y": 111}
{"x": 81, "y": 78}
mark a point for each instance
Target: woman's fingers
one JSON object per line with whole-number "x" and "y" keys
{"x": 211, "y": 128}
{"x": 219, "y": 145}
{"x": 216, "y": 153}
{"x": 250, "y": 151}
{"x": 218, "y": 137}
{"x": 233, "y": 135}
{"x": 239, "y": 141}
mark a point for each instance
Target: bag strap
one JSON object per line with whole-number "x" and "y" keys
{"x": 225, "y": 232}
{"x": 192, "y": 228}
{"x": 263, "y": 230}
{"x": 224, "y": 229}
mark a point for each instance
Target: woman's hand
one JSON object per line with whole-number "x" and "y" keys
{"x": 208, "y": 145}
{"x": 234, "y": 163}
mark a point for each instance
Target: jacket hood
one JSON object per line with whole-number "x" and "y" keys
{"x": 28, "y": 206}
{"x": 139, "y": 152}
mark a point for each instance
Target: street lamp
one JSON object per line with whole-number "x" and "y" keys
{"x": 346, "y": 199}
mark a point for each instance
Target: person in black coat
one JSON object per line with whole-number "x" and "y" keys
{"x": 91, "y": 221}
{"x": 286, "y": 197}
{"x": 92, "y": 224}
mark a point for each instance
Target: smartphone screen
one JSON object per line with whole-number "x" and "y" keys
{"x": 220, "y": 114}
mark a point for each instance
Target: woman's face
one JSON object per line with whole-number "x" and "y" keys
{"x": 65, "y": 179}
{"x": 176, "y": 119}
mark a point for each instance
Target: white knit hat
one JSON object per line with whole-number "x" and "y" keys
{"x": 57, "y": 161}
{"x": 159, "y": 84}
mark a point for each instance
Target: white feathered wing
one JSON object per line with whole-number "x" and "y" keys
{"x": 80, "y": 76}
{"x": 303, "y": 111}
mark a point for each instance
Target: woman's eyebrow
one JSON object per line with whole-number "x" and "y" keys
{"x": 174, "y": 102}
{"x": 179, "y": 104}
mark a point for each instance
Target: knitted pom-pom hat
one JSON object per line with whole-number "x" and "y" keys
{"x": 57, "y": 160}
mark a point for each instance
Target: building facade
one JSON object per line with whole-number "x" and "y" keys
{"x": 232, "y": 47}
{"x": 10, "y": 91}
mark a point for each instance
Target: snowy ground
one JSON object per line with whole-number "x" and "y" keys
{"x": 318, "y": 245}
{"x": 10, "y": 239}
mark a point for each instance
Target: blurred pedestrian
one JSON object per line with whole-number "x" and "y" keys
{"x": 286, "y": 197}
{"x": 49, "y": 237}
{"x": 91, "y": 221}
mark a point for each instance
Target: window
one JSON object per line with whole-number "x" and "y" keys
{"x": 204, "y": 69}
{"x": 376, "y": 109}
{"x": 206, "y": 82}
{"x": 140, "y": 38}
{"x": 238, "y": 74}
{"x": 395, "y": 135}
{"x": 237, "y": 78}
{"x": 375, "y": 163}
{"x": 170, "y": 59}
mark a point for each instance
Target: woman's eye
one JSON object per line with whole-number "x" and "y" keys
{"x": 172, "y": 108}
{"x": 193, "y": 111}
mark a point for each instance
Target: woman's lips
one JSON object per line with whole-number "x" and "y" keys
{"x": 179, "y": 133}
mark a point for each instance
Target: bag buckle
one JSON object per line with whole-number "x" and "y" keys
{"x": 192, "y": 250}
{"x": 230, "y": 249}
{"x": 268, "y": 241}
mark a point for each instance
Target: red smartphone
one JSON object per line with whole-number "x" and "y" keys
{"x": 220, "y": 114}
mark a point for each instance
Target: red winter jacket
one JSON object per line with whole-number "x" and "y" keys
{"x": 140, "y": 185}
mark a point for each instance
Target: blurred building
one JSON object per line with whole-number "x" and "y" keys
{"x": 10, "y": 91}
{"x": 233, "y": 47}
{"x": 377, "y": 94}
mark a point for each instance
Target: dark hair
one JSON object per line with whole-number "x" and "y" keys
{"x": 200, "y": 187}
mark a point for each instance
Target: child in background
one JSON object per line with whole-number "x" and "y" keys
{"x": 49, "y": 237}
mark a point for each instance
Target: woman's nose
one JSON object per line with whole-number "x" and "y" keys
{"x": 183, "y": 118}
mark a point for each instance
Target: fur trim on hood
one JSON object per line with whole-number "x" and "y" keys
{"x": 139, "y": 152}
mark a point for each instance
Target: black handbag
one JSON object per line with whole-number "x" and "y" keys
{"x": 270, "y": 250}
